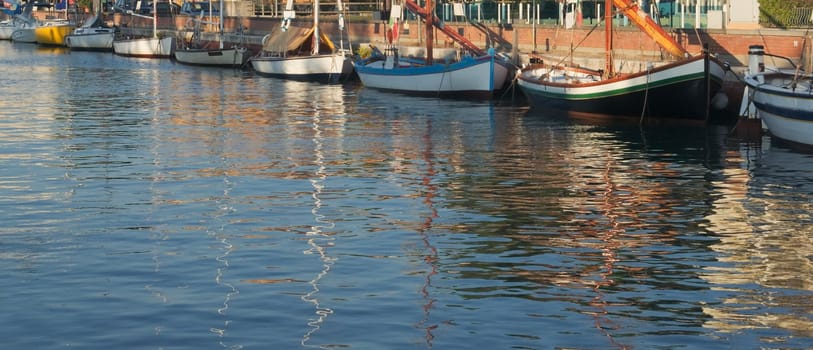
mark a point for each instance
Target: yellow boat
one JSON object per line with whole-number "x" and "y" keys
{"x": 53, "y": 32}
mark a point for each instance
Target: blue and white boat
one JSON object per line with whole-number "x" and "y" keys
{"x": 480, "y": 74}
{"x": 783, "y": 100}
{"x": 470, "y": 76}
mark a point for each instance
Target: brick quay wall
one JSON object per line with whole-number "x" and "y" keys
{"x": 519, "y": 38}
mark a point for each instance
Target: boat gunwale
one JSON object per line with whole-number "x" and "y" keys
{"x": 617, "y": 78}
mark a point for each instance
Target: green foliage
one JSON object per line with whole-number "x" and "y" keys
{"x": 84, "y": 4}
{"x": 784, "y": 13}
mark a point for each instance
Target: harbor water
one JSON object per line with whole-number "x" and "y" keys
{"x": 151, "y": 205}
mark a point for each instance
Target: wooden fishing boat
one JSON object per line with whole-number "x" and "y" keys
{"x": 683, "y": 89}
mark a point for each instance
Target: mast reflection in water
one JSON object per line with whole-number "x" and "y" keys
{"x": 318, "y": 239}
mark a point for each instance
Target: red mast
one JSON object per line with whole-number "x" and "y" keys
{"x": 430, "y": 16}
{"x": 608, "y": 39}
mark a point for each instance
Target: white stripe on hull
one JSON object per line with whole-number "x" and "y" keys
{"x": 681, "y": 72}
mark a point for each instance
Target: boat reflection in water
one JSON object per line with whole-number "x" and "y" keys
{"x": 310, "y": 112}
{"x": 762, "y": 222}
{"x": 590, "y": 218}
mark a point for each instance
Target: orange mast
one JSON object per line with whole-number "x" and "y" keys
{"x": 661, "y": 37}
{"x": 424, "y": 13}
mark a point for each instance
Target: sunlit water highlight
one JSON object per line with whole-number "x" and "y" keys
{"x": 147, "y": 204}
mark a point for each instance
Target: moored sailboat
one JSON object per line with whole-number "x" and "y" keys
{"x": 12, "y": 9}
{"x": 157, "y": 46}
{"x": 234, "y": 56}
{"x": 683, "y": 89}
{"x": 478, "y": 74}
{"x": 93, "y": 34}
{"x": 24, "y": 24}
{"x": 303, "y": 53}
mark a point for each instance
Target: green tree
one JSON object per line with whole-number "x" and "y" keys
{"x": 784, "y": 13}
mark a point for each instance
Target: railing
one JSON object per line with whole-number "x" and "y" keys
{"x": 543, "y": 12}
{"x": 801, "y": 17}
{"x": 274, "y": 8}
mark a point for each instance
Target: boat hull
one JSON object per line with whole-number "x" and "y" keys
{"x": 5, "y": 31}
{"x": 53, "y": 35}
{"x": 95, "y": 39}
{"x": 787, "y": 113}
{"x": 331, "y": 68}
{"x": 681, "y": 90}
{"x": 24, "y": 35}
{"x": 145, "y": 47}
{"x": 470, "y": 77}
{"x": 234, "y": 57}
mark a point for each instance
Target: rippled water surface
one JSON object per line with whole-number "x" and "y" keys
{"x": 151, "y": 205}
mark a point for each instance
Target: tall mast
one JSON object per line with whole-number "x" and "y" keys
{"x": 221, "y": 23}
{"x": 154, "y": 18}
{"x": 340, "y": 9}
{"x": 315, "y": 47}
{"x": 430, "y": 17}
{"x": 608, "y": 38}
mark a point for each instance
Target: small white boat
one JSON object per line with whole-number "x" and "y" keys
{"x": 783, "y": 99}
{"x": 282, "y": 53}
{"x": 157, "y": 46}
{"x": 24, "y": 34}
{"x": 93, "y": 34}
{"x": 6, "y": 28}
{"x": 23, "y": 25}
{"x": 234, "y": 56}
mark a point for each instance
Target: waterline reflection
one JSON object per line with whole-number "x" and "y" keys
{"x": 763, "y": 221}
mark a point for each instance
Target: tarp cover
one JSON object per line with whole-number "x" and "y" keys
{"x": 281, "y": 41}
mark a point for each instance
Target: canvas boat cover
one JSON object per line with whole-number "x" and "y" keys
{"x": 283, "y": 41}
